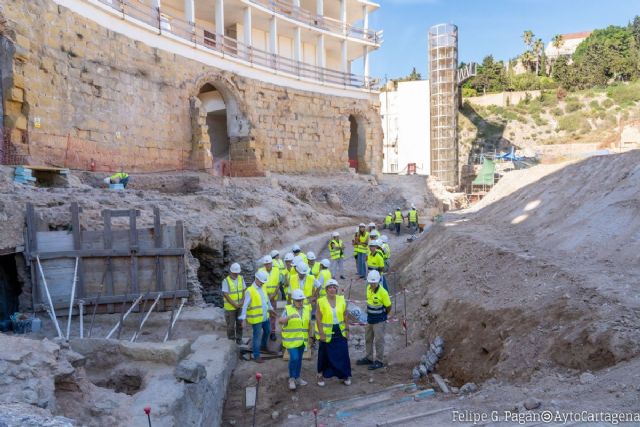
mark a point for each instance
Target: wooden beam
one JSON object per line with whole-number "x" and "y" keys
{"x": 133, "y": 247}
{"x": 157, "y": 235}
{"x": 118, "y": 253}
{"x": 108, "y": 242}
{"x": 115, "y": 213}
{"x": 77, "y": 245}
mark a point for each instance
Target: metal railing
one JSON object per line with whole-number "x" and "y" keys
{"x": 297, "y": 13}
{"x": 205, "y": 38}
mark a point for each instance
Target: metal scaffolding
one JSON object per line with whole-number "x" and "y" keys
{"x": 443, "y": 82}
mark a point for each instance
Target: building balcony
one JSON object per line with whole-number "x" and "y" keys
{"x": 336, "y": 27}
{"x": 205, "y": 37}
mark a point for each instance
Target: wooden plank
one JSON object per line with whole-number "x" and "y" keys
{"x": 59, "y": 275}
{"x": 77, "y": 245}
{"x": 54, "y": 241}
{"x": 107, "y": 239}
{"x": 157, "y": 234}
{"x": 31, "y": 245}
{"x": 133, "y": 246}
{"x": 61, "y": 303}
{"x": 115, "y": 213}
{"x": 101, "y": 253}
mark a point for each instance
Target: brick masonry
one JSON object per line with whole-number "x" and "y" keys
{"x": 83, "y": 93}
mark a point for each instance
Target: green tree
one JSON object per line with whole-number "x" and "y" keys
{"x": 538, "y": 50}
{"x": 527, "y": 59}
{"x": 527, "y": 37}
{"x": 635, "y": 29}
{"x": 491, "y": 76}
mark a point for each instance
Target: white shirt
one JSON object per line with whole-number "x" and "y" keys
{"x": 266, "y": 304}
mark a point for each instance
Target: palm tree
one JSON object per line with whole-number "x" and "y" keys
{"x": 557, "y": 41}
{"x": 527, "y": 37}
{"x": 527, "y": 58}
{"x": 538, "y": 48}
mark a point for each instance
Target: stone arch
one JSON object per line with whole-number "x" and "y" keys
{"x": 362, "y": 141}
{"x": 241, "y": 159}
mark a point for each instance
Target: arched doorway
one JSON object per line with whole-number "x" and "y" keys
{"x": 213, "y": 104}
{"x": 357, "y": 143}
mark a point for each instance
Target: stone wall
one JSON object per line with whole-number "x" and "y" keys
{"x": 82, "y": 92}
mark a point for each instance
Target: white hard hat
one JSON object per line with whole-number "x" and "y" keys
{"x": 298, "y": 260}
{"x": 361, "y": 225}
{"x": 373, "y": 277}
{"x": 325, "y": 263}
{"x": 397, "y": 209}
{"x": 413, "y": 206}
{"x": 262, "y": 276}
{"x": 335, "y": 234}
{"x": 371, "y": 224}
{"x": 267, "y": 259}
{"x": 374, "y": 233}
{"x": 374, "y": 243}
{"x": 297, "y": 294}
{"x": 107, "y": 180}
{"x": 384, "y": 238}
{"x": 235, "y": 268}
{"x": 295, "y": 248}
{"x": 311, "y": 256}
{"x": 288, "y": 256}
{"x": 332, "y": 282}
{"x": 390, "y": 214}
{"x": 274, "y": 253}
{"x": 302, "y": 268}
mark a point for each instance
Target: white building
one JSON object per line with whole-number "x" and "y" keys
{"x": 569, "y": 45}
{"x": 406, "y": 126}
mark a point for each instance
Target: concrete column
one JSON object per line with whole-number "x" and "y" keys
{"x": 220, "y": 17}
{"x": 320, "y": 7}
{"x": 297, "y": 44}
{"x": 320, "y": 51}
{"x": 343, "y": 15}
{"x": 247, "y": 27}
{"x": 344, "y": 61}
{"x": 365, "y": 54}
{"x": 189, "y": 11}
{"x": 273, "y": 36}
{"x": 365, "y": 17}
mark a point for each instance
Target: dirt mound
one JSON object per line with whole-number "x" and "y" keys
{"x": 540, "y": 276}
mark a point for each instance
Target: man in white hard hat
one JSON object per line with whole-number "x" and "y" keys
{"x": 304, "y": 281}
{"x": 375, "y": 260}
{"x": 387, "y": 221}
{"x": 278, "y": 262}
{"x": 314, "y": 267}
{"x": 296, "y": 329}
{"x": 398, "y": 220}
{"x": 360, "y": 242}
{"x": 336, "y": 253}
{"x": 412, "y": 216}
{"x": 298, "y": 252}
{"x": 271, "y": 286}
{"x": 378, "y": 308}
{"x": 289, "y": 270}
{"x": 233, "y": 290}
{"x": 323, "y": 277}
{"x": 256, "y": 310}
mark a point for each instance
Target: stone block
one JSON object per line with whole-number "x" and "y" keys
{"x": 190, "y": 371}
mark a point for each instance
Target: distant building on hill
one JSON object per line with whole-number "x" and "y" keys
{"x": 570, "y": 43}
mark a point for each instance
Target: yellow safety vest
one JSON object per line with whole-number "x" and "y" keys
{"x": 413, "y": 215}
{"x": 307, "y": 287}
{"x": 315, "y": 269}
{"x": 254, "y": 311}
{"x": 338, "y": 249}
{"x": 376, "y": 261}
{"x": 326, "y": 320}
{"x": 362, "y": 242}
{"x": 386, "y": 251}
{"x": 398, "y": 217}
{"x": 327, "y": 276}
{"x": 304, "y": 258}
{"x": 274, "y": 280}
{"x": 296, "y": 331}
{"x": 121, "y": 175}
{"x": 278, "y": 263}
{"x": 388, "y": 219}
{"x": 235, "y": 292}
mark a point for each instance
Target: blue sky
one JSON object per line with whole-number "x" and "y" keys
{"x": 485, "y": 27}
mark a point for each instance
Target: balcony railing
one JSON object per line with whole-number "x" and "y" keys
{"x": 201, "y": 37}
{"x": 292, "y": 11}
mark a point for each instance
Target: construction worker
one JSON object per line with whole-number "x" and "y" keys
{"x": 398, "y": 219}
{"x": 323, "y": 277}
{"x": 314, "y": 266}
{"x": 412, "y": 217}
{"x": 304, "y": 281}
{"x": 378, "y": 308}
{"x": 386, "y": 250}
{"x": 375, "y": 259}
{"x": 278, "y": 262}
{"x": 371, "y": 227}
{"x": 387, "y": 221}
{"x": 118, "y": 178}
{"x": 256, "y": 310}
{"x": 332, "y": 331}
{"x": 271, "y": 286}
{"x": 233, "y": 294}
{"x": 374, "y": 235}
{"x": 336, "y": 253}
{"x": 360, "y": 242}
{"x": 298, "y": 252}
{"x": 296, "y": 329}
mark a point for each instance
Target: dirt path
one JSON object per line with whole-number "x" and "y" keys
{"x": 274, "y": 394}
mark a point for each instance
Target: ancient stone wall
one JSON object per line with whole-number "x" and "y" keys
{"x": 84, "y": 94}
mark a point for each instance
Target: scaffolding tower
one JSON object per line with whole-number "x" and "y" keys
{"x": 443, "y": 82}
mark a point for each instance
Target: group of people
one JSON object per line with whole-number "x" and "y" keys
{"x": 315, "y": 310}
{"x": 394, "y": 220}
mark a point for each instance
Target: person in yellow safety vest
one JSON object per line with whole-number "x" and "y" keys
{"x": 412, "y": 217}
{"x": 314, "y": 266}
{"x": 336, "y": 253}
{"x": 278, "y": 262}
{"x": 323, "y": 277}
{"x": 386, "y": 249}
{"x": 387, "y": 221}
{"x": 272, "y": 289}
{"x": 360, "y": 242}
{"x": 371, "y": 227}
{"x": 256, "y": 310}
{"x": 374, "y": 235}
{"x": 378, "y": 308}
{"x": 332, "y": 330}
{"x": 289, "y": 269}
{"x": 298, "y": 252}
{"x": 296, "y": 329}
{"x": 304, "y": 281}
{"x": 398, "y": 219}
{"x": 233, "y": 294}
{"x": 375, "y": 260}
{"x": 118, "y": 178}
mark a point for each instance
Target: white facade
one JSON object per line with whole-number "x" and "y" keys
{"x": 299, "y": 40}
{"x": 406, "y": 127}
{"x": 570, "y": 43}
